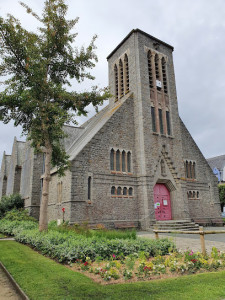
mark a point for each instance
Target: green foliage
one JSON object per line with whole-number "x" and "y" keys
{"x": 222, "y": 194}
{"x": 83, "y": 229}
{"x": 18, "y": 215}
{"x": 69, "y": 247}
{"x": 8, "y": 203}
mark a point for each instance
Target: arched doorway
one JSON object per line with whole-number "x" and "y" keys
{"x": 162, "y": 203}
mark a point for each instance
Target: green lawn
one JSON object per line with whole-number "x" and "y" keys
{"x": 42, "y": 278}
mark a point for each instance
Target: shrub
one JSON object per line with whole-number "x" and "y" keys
{"x": 18, "y": 215}
{"x": 69, "y": 247}
{"x": 7, "y": 203}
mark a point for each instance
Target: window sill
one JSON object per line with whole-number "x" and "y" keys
{"x": 121, "y": 173}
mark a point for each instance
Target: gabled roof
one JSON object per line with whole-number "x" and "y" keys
{"x": 142, "y": 32}
{"x": 217, "y": 162}
{"x": 93, "y": 126}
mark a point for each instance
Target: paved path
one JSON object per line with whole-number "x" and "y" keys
{"x": 192, "y": 241}
{"x": 7, "y": 291}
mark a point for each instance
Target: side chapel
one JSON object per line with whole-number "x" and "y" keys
{"x": 135, "y": 160}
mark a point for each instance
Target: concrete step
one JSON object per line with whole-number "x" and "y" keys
{"x": 184, "y": 225}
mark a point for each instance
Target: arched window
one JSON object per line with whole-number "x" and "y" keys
{"x": 123, "y": 161}
{"x": 121, "y": 78}
{"x": 112, "y": 160}
{"x": 194, "y": 194}
{"x": 128, "y": 162}
{"x": 164, "y": 75}
{"x": 157, "y": 67}
{"x": 125, "y": 191}
{"x": 161, "y": 121}
{"x": 193, "y": 170}
{"x": 189, "y": 169}
{"x": 130, "y": 191}
{"x": 89, "y": 188}
{"x": 113, "y": 190}
{"x": 119, "y": 191}
{"x": 153, "y": 118}
{"x": 150, "y": 69}
{"x": 118, "y": 160}
{"x": 186, "y": 168}
{"x": 168, "y": 122}
{"x": 116, "y": 82}
{"x": 127, "y": 84}
{"x": 190, "y": 194}
{"x": 197, "y": 194}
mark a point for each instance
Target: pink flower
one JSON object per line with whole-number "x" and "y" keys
{"x": 114, "y": 256}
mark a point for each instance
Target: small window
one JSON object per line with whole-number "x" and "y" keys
{"x": 113, "y": 190}
{"x": 118, "y": 160}
{"x": 123, "y": 161}
{"x": 128, "y": 162}
{"x": 197, "y": 194}
{"x": 190, "y": 194}
{"x": 125, "y": 191}
{"x": 89, "y": 188}
{"x": 130, "y": 191}
{"x": 153, "y": 118}
{"x": 193, "y": 170}
{"x": 119, "y": 191}
{"x": 160, "y": 121}
{"x": 59, "y": 192}
{"x": 157, "y": 67}
{"x": 168, "y": 123}
{"x": 112, "y": 159}
{"x": 186, "y": 169}
{"x": 194, "y": 194}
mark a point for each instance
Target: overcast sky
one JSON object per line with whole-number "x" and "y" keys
{"x": 196, "y": 29}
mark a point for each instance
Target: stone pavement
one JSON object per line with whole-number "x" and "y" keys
{"x": 192, "y": 241}
{"x": 7, "y": 291}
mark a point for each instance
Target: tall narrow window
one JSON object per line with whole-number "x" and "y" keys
{"x": 150, "y": 69}
{"x": 189, "y": 169}
{"x": 168, "y": 122}
{"x": 164, "y": 75}
{"x": 127, "y": 84}
{"x": 112, "y": 160}
{"x": 116, "y": 82}
{"x": 121, "y": 78}
{"x": 153, "y": 118}
{"x": 157, "y": 67}
{"x": 193, "y": 171}
{"x": 59, "y": 192}
{"x": 118, "y": 160}
{"x": 113, "y": 190}
{"x": 160, "y": 121}
{"x": 128, "y": 162}
{"x": 89, "y": 188}
{"x": 186, "y": 169}
{"x": 123, "y": 161}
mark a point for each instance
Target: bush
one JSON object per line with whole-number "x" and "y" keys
{"x": 7, "y": 203}
{"x": 18, "y": 215}
{"x": 222, "y": 195}
{"x": 69, "y": 247}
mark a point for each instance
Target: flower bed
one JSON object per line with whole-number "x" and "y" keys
{"x": 141, "y": 267}
{"x": 69, "y": 247}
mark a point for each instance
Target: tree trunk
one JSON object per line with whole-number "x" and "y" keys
{"x": 43, "y": 219}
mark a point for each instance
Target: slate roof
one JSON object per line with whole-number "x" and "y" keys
{"x": 217, "y": 162}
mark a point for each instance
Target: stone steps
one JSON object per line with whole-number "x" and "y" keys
{"x": 183, "y": 225}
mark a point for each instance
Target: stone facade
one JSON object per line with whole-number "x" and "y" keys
{"x": 135, "y": 143}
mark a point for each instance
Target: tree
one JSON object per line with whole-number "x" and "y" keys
{"x": 38, "y": 67}
{"x": 222, "y": 195}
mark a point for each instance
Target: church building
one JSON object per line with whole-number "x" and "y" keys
{"x": 134, "y": 162}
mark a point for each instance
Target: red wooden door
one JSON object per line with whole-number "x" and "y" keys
{"x": 162, "y": 202}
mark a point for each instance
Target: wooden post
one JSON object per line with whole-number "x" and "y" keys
{"x": 156, "y": 233}
{"x": 202, "y": 239}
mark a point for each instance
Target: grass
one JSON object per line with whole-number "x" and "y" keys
{"x": 42, "y": 278}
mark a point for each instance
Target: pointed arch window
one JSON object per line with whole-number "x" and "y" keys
{"x": 186, "y": 168}
{"x": 161, "y": 121}
{"x": 128, "y": 162}
{"x": 118, "y": 160}
{"x": 150, "y": 69}
{"x": 124, "y": 191}
{"x": 121, "y": 78}
{"x": 116, "y": 82}
{"x": 168, "y": 122}
{"x": 130, "y": 191}
{"x": 164, "y": 75}
{"x": 127, "y": 83}
{"x": 123, "y": 161}
{"x": 112, "y": 159}
{"x": 193, "y": 170}
{"x": 153, "y": 118}
{"x": 89, "y": 188}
